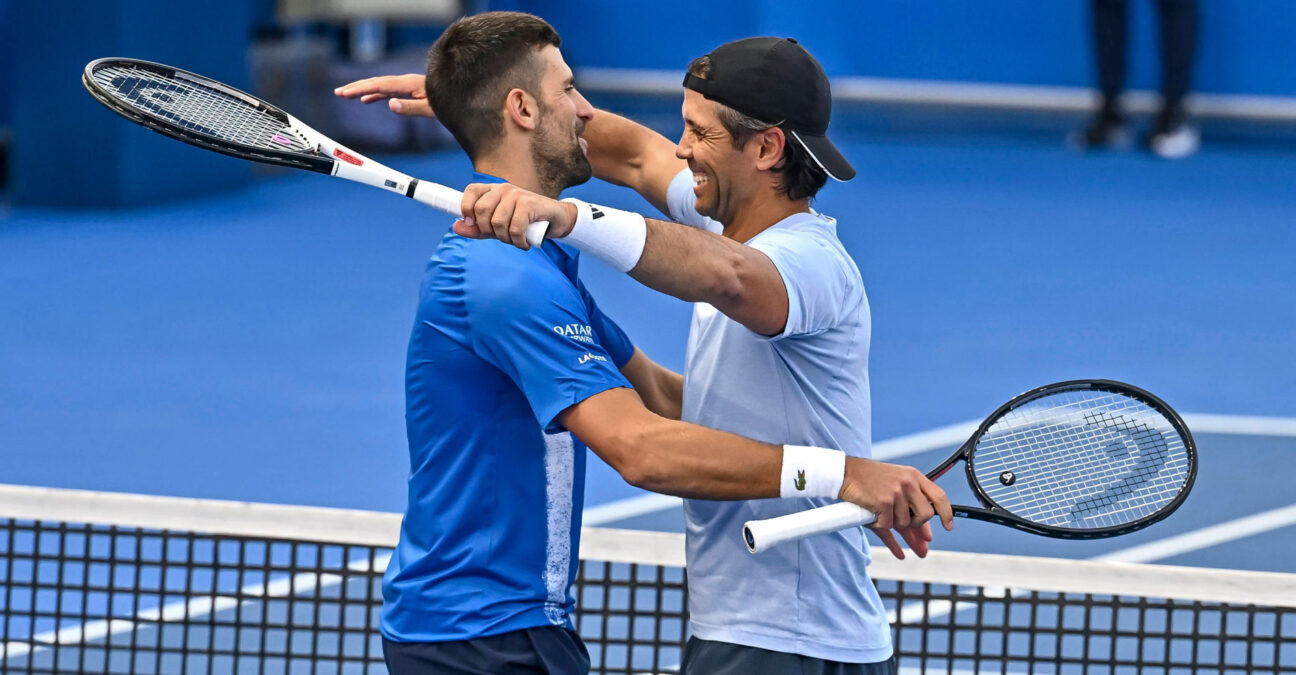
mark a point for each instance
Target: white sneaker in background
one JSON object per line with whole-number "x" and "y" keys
{"x": 1177, "y": 142}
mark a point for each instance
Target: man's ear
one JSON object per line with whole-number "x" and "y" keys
{"x": 768, "y": 148}
{"x": 521, "y": 109}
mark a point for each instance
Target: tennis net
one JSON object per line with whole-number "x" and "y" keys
{"x": 109, "y": 583}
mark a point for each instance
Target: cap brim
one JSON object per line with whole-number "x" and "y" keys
{"x": 823, "y": 153}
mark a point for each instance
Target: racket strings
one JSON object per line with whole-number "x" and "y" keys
{"x": 198, "y": 108}
{"x": 1151, "y": 445}
{"x": 1072, "y": 496}
{"x": 1067, "y": 467}
{"x": 1082, "y": 459}
{"x": 1097, "y": 483}
{"x": 1103, "y": 481}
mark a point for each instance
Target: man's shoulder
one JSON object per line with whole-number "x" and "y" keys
{"x": 491, "y": 268}
{"x": 809, "y": 225}
{"x": 810, "y": 238}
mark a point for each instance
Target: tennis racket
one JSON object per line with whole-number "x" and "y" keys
{"x": 214, "y": 116}
{"x": 1083, "y": 459}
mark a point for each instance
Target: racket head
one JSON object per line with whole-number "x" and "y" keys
{"x": 1081, "y": 459}
{"x": 202, "y": 112}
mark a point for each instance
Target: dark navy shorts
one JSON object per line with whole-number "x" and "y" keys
{"x": 705, "y": 657}
{"x": 547, "y": 650}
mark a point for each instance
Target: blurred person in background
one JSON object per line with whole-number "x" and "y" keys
{"x": 1172, "y": 135}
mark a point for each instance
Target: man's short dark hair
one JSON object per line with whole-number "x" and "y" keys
{"x": 473, "y": 66}
{"x": 798, "y": 175}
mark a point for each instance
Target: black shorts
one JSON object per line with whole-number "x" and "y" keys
{"x": 705, "y": 657}
{"x": 545, "y": 650}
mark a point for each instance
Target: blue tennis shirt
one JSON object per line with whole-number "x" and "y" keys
{"x": 503, "y": 341}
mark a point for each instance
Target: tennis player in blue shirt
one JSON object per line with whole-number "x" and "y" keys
{"x": 513, "y": 370}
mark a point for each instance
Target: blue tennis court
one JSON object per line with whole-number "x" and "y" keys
{"x": 251, "y": 346}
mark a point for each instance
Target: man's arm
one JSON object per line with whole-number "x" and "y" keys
{"x": 627, "y": 153}
{"x": 621, "y": 151}
{"x": 697, "y": 266}
{"x": 661, "y": 389}
{"x": 692, "y": 265}
{"x": 688, "y": 460}
{"x": 738, "y": 281}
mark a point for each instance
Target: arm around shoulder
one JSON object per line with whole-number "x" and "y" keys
{"x": 741, "y": 282}
{"x": 627, "y": 153}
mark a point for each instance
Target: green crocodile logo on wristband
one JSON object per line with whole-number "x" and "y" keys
{"x": 799, "y": 483}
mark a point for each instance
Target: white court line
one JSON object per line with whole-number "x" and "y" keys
{"x": 1241, "y": 425}
{"x": 1206, "y": 537}
{"x": 945, "y": 437}
{"x": 630, "y": 507}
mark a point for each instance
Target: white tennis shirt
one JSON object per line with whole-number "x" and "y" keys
{"x": 806, "y": 386}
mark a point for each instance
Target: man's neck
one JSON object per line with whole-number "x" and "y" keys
{"x": 516, "y": 168}
{"x": 761, "y": 212}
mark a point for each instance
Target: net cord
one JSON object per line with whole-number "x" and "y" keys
{"x": 273, "y": 521}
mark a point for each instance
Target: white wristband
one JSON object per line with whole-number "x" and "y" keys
{"x": 614, "y": 236}
{"x": 811, "y": 472}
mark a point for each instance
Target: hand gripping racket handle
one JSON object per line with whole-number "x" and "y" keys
{"x": 448, "y": 200}
{"x": 762, "y": 534}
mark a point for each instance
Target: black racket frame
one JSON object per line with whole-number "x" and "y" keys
{"x": 993, "y": 513}
{"x": 311, "y": 161}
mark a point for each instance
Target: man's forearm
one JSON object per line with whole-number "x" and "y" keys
{"x": 615, "y": 146}
{"x": 664, "y": 394}
{"x": 670, "y": 456}
{"x": 696, "y": 266}
{"x": 695, "y": 462}
{"x": 693, "y": 265}
{"x": 624, "y": 152}
{"x": 661, "y": 389}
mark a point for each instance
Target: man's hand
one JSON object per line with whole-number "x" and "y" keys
{"x": 502, "y": 211}
{"x": 405, "y": 94}
{"x": 903, "y": 499}
{"x": 917, "y": 536}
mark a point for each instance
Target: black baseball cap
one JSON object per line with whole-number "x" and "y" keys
{"x": 776, "y": 81}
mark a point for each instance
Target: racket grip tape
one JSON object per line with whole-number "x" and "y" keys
{"x": 448, "y": 200}
{"x": 762, "y": 534}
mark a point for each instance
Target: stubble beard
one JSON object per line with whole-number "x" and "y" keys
{"x": 559, "y": 162}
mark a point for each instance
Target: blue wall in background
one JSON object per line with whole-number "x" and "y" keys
{"x": 6, "y": 59}
{"x": 1244, "y": 47}
{"x": 68, "y": 150}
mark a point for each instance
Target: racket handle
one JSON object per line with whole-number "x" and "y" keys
{"x": 449, "y": 200}
{"x": 535, "y": 232}
{"x": 762, "y": 534}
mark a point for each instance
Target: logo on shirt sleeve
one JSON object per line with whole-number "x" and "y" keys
{"x": 576, "y": 331}
{"x": 590, "y": 356}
